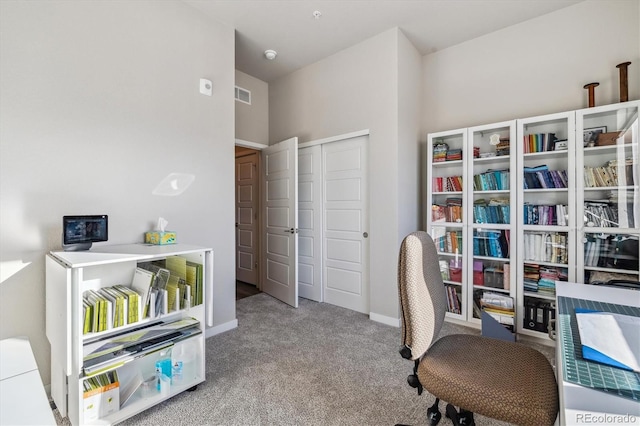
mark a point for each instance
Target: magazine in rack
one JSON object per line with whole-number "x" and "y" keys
{"x": 105, "y": 354}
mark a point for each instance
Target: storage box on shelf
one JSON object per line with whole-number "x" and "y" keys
{"x": 608, "y": 198}
{"x": 546, "y": 216}
{"x": 105, "y": 348}
{"x": 491, "y": 193}
{"x": 447, "y": 218}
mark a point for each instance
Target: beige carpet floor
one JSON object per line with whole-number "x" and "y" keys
{"x": 315, "y": 365}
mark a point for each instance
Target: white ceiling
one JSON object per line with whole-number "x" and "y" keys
{"x": 289, "y": 27}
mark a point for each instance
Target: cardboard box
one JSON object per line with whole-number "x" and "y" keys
{"x": 98, "y": 403}
{"x": 160, "y": 238}
{"x": 605, "y": 139}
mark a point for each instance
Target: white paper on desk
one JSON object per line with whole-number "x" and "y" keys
{"x": 610, "y": 338}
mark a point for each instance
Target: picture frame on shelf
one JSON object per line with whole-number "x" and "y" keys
{"x": 590, "y": 135}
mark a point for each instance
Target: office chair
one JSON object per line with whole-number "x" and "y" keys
{"x": 502, "y": 380}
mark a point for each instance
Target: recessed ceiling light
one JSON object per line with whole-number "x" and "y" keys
{"x": 270, "y": 54}
{"x": 317, "y": 14}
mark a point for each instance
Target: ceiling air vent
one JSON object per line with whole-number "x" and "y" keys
{"x": 243, "y": 95}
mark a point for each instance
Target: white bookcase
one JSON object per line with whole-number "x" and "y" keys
{"x": 448, "y": 217}
{"x": 608, "y": 194}
{"x": 564, "y": 222}
{"x": 491, "y": 196}
{"x": 545, "y": 238}
{"x": 68, "y": 275}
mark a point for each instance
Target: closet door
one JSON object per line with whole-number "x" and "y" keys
{"x": 345, "y": 243}
{"x": 310, "y": 223}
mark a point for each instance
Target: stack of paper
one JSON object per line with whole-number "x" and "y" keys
{"x": 609, "y": 338}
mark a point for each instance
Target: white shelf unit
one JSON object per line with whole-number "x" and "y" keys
{"x": 448, "y": 231}
{"x": 569, "y": 239}
{"x": 545, "y": 238}
{"x": 68, "y": 275}
{"x": 608, "y": 208}
{"x": 491, "y": 212}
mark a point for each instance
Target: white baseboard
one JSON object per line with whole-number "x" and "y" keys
{"x": 212, "y": 331}
{"x": 394, "y": 322}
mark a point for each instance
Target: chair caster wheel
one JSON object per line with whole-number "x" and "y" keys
{"x": 434, "y": 415}
{"x": 462, "y": 418}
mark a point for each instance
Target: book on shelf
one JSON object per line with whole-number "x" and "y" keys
{"x": 491, "y": 180}
{"x": 538, "y": 214}
{"x": 539, "y": 142}
{"x": 546, "y": 247}
{"x": 453, "y": 301}
{"x": 101, "y": 311}
{"x": 542, "y": 178}
{"x": 491, "y": 243}
{"x": 497, "y": 210}
{"x": 134, "y": 307}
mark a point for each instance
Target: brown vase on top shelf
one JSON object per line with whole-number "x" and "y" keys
{"x": 591, "y": 88}
{"x": 624, "y": 82}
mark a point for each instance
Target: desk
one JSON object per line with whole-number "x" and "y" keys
{"x": 23, "y": 399}
{"x": 583, "y": 405}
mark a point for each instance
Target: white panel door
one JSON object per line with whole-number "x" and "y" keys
{"x": 280, "y": 220}
{"x": 246, "y": 215}
{"x": 345, "y": 244}
{"x": 310, "y": 223}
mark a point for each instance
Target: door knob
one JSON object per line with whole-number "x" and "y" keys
{"x": 365, "y": 234}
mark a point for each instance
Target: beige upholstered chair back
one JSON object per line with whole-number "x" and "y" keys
{"x": 423, "y": 298}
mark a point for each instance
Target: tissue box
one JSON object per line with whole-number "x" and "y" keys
{"x": 159, "y": 237}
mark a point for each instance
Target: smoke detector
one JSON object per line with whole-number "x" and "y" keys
{"x": 317, "y": 14}
{"x": 270, "y": 54}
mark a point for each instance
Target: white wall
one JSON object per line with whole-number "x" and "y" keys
{"x": 357, "y": 89}
{"x": 532, "y": 68}
{"x": 100, "y": 102}
{"x": 409, "y": 156}
{"x": 536, "y": 67}
{"x": 252, "y": 121}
